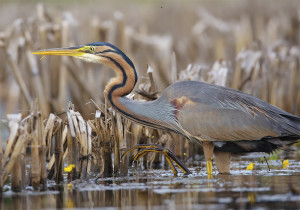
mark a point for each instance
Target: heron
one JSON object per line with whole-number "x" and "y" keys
{"x": 224, "y": 121}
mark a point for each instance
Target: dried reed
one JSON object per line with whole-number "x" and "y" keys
{"x": 92, "y": 138}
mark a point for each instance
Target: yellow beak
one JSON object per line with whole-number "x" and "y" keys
{"x": 70, "y": 51}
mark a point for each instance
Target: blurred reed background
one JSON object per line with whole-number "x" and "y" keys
{"x": 52, "y": 109}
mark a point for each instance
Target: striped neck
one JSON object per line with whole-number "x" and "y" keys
{"x": 122, "y": 85}
{"x": 126, "y": 76}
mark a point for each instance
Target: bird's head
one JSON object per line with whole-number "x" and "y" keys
{"x": 96, "y": 52}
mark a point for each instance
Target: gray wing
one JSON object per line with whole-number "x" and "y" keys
{"x": 216, "y": 113}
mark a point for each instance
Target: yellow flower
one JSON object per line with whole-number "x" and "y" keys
{"x": 285, "y": 163}
{"x": 250, "y": 166}
{"x": 69, "y": 168}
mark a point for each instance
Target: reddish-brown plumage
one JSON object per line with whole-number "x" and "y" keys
{"x": 179, "y": 103}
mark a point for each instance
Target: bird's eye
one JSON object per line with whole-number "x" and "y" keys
{"x": 92, "y": 48}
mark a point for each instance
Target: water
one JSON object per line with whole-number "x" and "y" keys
{"x": 159, "y": 189}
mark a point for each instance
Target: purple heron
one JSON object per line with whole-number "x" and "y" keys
{"x": 223, "y": 120}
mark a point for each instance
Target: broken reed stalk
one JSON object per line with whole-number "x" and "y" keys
{"x": 73, "y": 70}
{"x": 104, "y": 141}
{"x": 35, "y": 161}
{"x": 47, "y": 139}
{"x": 35, "y": 147}
{"x": 37, "y": 84}
{"x": 80, "y": 141}
{"x": 16, "y": 163}
{"x": 16, "y": 175}
{"x": 21, "y": 142}
{"x": 119, "y": 30}
{"x": 136, "y": 133}
{"x": 82, "y": 133}
{"x": 23, "y": 166}
{"x": 115, "y": 134}
{"x": 42, "y": 150}
{"x": 13, "y": 124}
{"x": 89, "y": 148}
{"x": 18, "y": 170}
{"x": 179, "y": 142}
{"x": 174, "y": 70}
{"x": 62, "y": 83}
{"x": 1, "y": 157}
{"x": 19, "y": 78}
{"x": 58, "y": 151}
{"x": 51, "y": 164}
{"x": 274, "y": 86}
{"x": 152, "y": 83}
{"x": 73, "y": 145}
{"x": 123, "y": 146}
{"x": 237, "y": 75}
{"x": 293, "y": 85}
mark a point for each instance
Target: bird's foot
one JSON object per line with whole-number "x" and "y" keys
{"x": 169, "y": 155}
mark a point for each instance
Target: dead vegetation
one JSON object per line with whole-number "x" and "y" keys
{"x": 256, "y": 54}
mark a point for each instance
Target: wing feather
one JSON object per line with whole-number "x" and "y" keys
{"x": 219, "y": 113}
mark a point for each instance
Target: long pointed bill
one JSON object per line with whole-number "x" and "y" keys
{"x": 70, "y": 51}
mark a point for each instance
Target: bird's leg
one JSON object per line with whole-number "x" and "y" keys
{"x": 169, "y": 155}
{"x": 222, "y": 160}
{"x": 208, "y": 149}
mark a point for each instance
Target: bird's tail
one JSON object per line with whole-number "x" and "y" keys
{"x": 290, "y": 134}
{"x": 291, "y": 124}
{"x": 267, "y": 145}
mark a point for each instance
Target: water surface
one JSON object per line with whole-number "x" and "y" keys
{"x": 158, "y": 189}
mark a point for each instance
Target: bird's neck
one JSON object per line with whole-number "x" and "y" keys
{"x": 122, "y": 85}
{"x": 125, "y": 80}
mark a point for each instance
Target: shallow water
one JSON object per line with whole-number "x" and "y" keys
{"x": 159, "y": 189}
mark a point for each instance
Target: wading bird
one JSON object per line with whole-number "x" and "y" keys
{"x": 223, "y": 120}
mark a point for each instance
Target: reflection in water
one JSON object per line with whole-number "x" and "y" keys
{"x": 156, "y": 188}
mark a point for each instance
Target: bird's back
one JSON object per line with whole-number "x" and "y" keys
{"x": 216, "y": 113}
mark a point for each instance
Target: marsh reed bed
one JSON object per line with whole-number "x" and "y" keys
{"x": 56, "y": 122}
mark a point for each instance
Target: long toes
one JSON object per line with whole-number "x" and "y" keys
{"x": 169, "y": 155}
{"x": 143, "y": 152}
{"x": 141, "y": 146}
